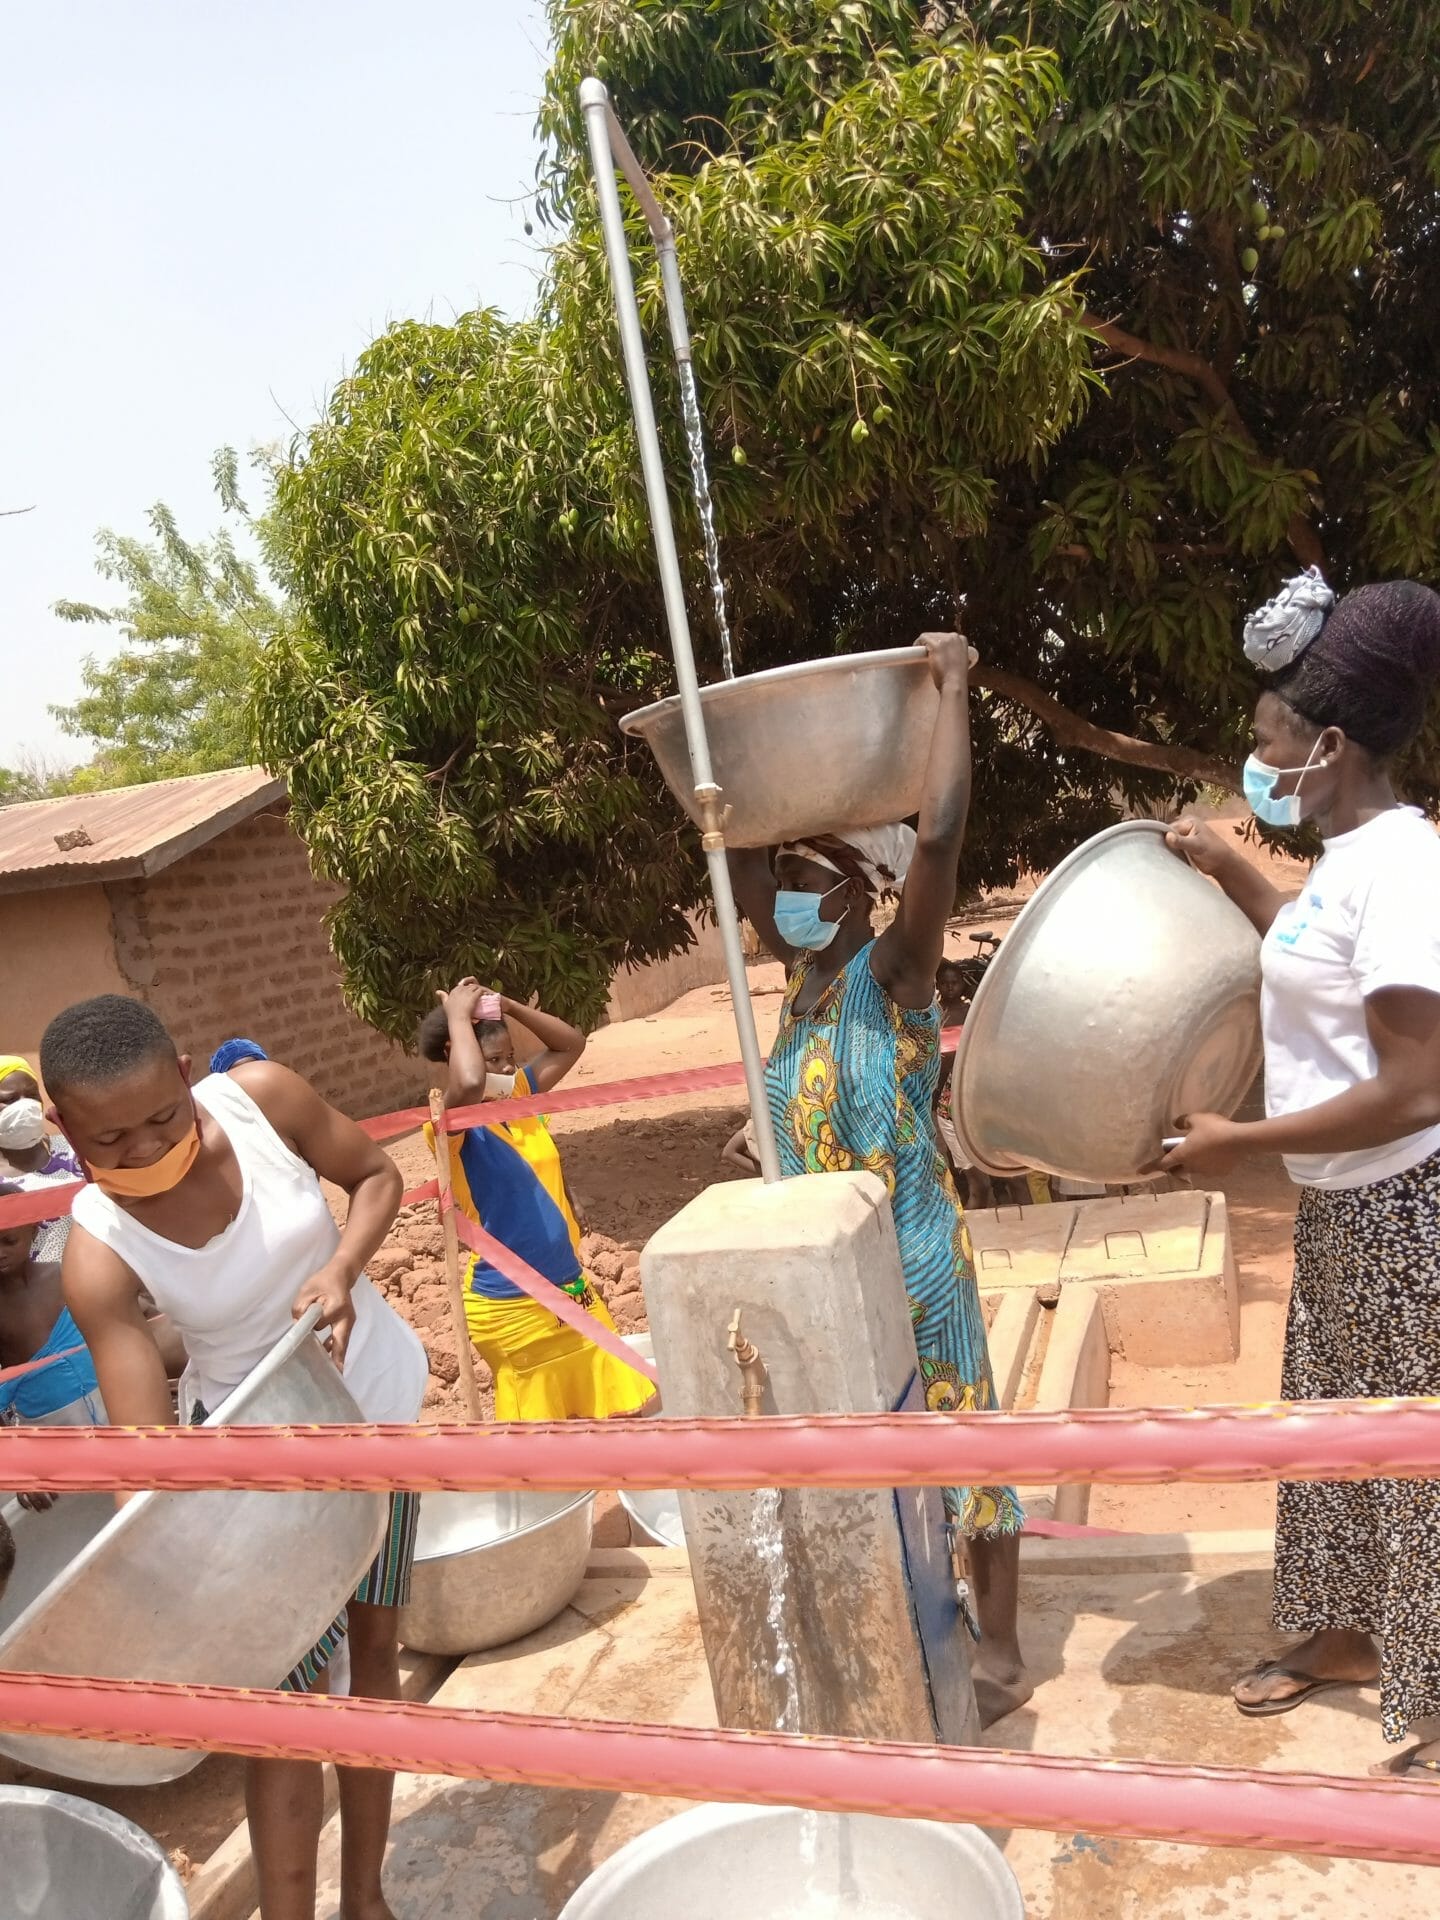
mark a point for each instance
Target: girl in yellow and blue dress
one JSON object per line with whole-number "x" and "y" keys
{"x": 507, "y": 1178}
{"x": 852, "y": 1080}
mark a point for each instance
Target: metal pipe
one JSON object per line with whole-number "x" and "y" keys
{"x": 608, "y": 146}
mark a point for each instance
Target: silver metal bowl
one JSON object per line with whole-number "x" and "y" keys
{"x": 222, "y": 1589}
{"x": 66, "y": 1859}
{"x": 655, "y": 1514}
{"x": 492, "y": 1567}
{"x": 794, "y": 1865}
{"x": 814, "y": 748}
{"x": 1125, "y": 996}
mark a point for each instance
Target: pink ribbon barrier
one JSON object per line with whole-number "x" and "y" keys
{"x": 45, "y": 1203}
{"x": 34, "y": 1366}
{"x": 604, "y": 1093}
{"x": 561, "y": 1304}
{"x": 1136, "y": 1800}
{"x": 50, "y": 1203}
{"x": 1310, "y": 1440}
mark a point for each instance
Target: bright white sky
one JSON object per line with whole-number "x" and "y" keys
{"x": 209, "y": 211}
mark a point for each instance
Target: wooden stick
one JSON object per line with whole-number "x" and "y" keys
{"x": 469, "y": 1386}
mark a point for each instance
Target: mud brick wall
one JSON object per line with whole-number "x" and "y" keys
{"x": 231, "y": 940}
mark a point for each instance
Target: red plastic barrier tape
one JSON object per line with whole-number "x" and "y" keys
{"x": 34, "y": 1366}
{"x": 27, "y": 1210}
{"x": 44, "y": 1203}
{"x": 548, "y": 1294}
{"x": 1312, "y": 1440}
{"x": 604, "y": 1093}
{"x": 1135, "y": 1800}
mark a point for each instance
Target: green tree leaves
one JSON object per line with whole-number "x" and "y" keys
{"x": 194, "y": 619}
{"x": 1096, "y": 317}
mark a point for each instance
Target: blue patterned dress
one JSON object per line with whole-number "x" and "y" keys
{"x": 852, "y": 1086}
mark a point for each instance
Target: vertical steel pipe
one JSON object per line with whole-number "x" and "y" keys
{"x": 609, "y": 148}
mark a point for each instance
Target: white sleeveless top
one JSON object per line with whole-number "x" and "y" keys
{"x": 230, "y": 1300}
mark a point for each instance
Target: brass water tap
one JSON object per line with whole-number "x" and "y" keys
{"x": 753, "y": 1372}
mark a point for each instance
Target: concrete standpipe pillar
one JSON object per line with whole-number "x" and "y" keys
{"x": 860, "y": 1633}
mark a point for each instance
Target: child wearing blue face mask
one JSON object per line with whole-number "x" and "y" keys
{"x": 1351, "y": 1016}
{"x": 852, "y": 1080}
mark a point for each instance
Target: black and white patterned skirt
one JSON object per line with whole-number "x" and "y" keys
{"x": 1364, "y": 1323}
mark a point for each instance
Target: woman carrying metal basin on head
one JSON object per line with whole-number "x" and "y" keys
{"x": 1351, "y": 1016}
{"x": 851, "y": 1084}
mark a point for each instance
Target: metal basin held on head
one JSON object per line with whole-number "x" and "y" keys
{"x": 222, "y": 1589}
{"x": 813, "y": 748}
{"x": 66, "y": 1859}
{"x": 1126, "y": 996}
{"x": 786, "y": 1864}
{"x": 491, "y": 1567}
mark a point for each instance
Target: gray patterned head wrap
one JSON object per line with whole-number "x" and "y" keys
{"x": 1279, "y": 633}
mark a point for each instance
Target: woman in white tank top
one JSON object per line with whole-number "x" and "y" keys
{"x": 233, "y": 1298}
{"x": 210, "y": 1201}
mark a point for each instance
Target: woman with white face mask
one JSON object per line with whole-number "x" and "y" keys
{"x": 1351, "y": 1014}
{"x": 507, "y": 1179}
{"x": 29, "y": 1152}
{"x": 852, "y": 1079}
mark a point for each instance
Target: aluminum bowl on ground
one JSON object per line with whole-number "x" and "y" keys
{"x": 1125, "y": 996}
{"x": 492, "y": 1567}
{"x": 222, "y": 1589}
{"x": 781, "y": 1863}
{"x": 813, "y": 748}
{"x": 66, "y": 1859}
{"x": 654, "y": 1513}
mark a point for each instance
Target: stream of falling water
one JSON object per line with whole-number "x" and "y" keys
{"x": 825, "y": 1891}
{"x": 770, "y": 1551}
{"x": 705, "y": 506}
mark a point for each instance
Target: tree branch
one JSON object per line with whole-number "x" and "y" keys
{"x": 1073, "y": 731}
{"x": 1301, "y": 535}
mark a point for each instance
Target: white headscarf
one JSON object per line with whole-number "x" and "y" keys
{"x": 883, "y": 854}
{"x": 1279, "y": 633}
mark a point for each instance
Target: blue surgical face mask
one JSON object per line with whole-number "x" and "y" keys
{"x": 799, "y": 922}
{"x": 1259, "y": 782}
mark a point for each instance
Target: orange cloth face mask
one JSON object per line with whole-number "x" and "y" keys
{"x": 143, "y": 1183}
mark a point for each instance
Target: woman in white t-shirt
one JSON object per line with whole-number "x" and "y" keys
{"x": 1351, "y": 1015}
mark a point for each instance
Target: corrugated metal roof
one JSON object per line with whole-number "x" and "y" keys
{"x": 124, "y": 832}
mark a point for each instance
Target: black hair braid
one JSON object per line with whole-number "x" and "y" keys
{"x": 1372, "y": 668}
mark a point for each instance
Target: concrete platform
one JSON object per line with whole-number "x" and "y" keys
{"x": 1162, "y": 1265}
{"x": 1134, "y": 1644}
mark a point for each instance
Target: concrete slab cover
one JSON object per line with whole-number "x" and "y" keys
{"x": 1145, "y": 1233}
{"x": 1020, "y": 1246}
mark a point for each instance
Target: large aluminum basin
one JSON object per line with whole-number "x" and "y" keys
{"x": 66, "y": 1859}
{"x": 813, "y": 748}
{"x": 1125, "y": 996}
{"x": 221, "y": 1589}
{"x": 780, "y": 1863}
{"x": 492, "y": 1567}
